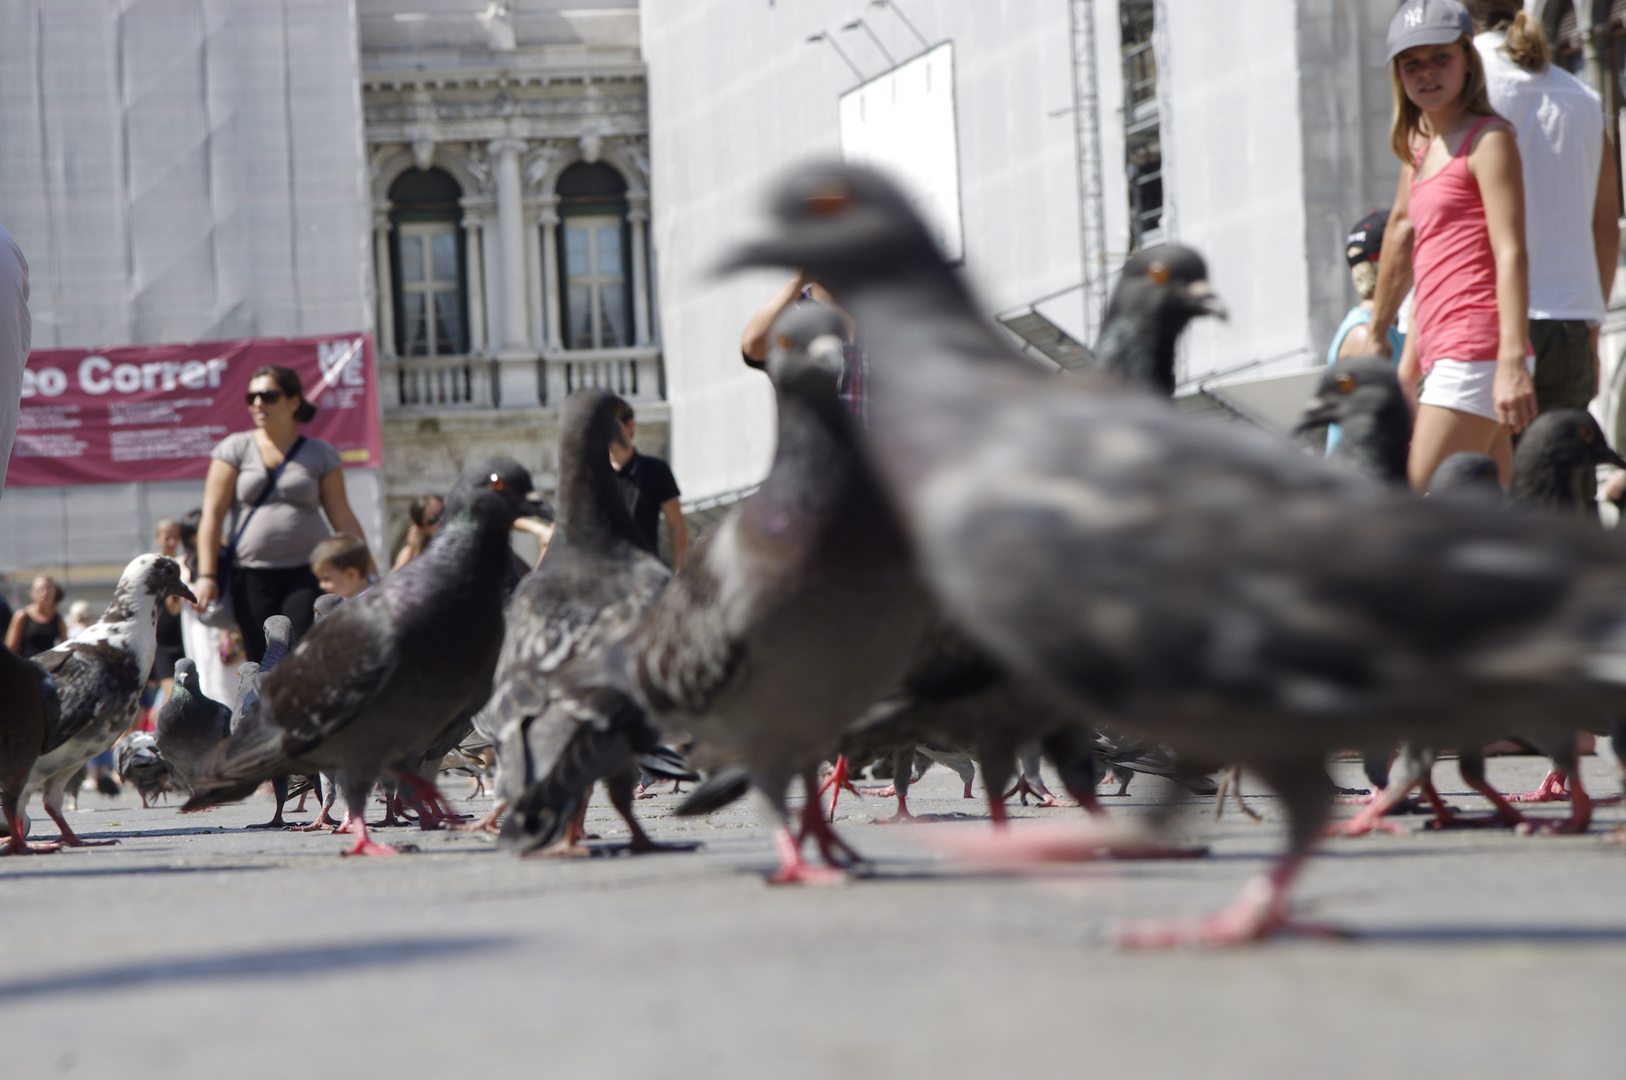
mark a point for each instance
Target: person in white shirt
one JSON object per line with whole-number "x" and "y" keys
{"x": 1572, "y": 225}
{"x": 15, "y": 332}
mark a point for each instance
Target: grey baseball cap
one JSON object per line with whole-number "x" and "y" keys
{"x": 1427, "y": 22}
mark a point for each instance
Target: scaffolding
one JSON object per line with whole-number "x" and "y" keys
{"x": 1087, "y": 137}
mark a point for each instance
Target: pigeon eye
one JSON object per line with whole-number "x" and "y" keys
{"x": 496, "y": 482}
{"x": 1586, "y": 435}
{"x": 1158, "y": 274}
{"x": 830, "y": 198}
{"x": 782, "y": 342}
{"x": 1346, "y": 384}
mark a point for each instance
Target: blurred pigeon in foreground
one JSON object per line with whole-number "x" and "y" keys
{"x": 1205, "y": 584}
{"x": 1160, "y": 289}
{"x": 28, "y": 710}
{"x": 383, "y": 673}
{"x": 1362, "y": 396}
{"x": 1555, "y": 466}
{"x": 100, "y": 674}
{"x": 1470, "y": 476}
{"x": 190, "y": 724}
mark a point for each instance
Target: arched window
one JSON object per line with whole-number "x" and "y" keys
{"x": 429, "y": 277}
{"x": 594, "y": 253}
{"x": 1566, "y": 38}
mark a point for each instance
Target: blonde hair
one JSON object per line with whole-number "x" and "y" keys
{"x": 1365, "y": 275}
{"x": 1526, "y": 43}
{"x": 1409, "y": 122}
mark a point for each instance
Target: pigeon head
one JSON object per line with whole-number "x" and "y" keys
{"x": 186, "y": 675}
{"x": 1353, "y": 387}
{"x": 1160, "y": 290}
{"x": 1469, "y": 476}
{"x": 806, "y": 351}
{"x": 146, "y": 582}
{"x": 840, "y": 222}
{"x": 498, "y": 488}
{"x": 325, "y": 605}
{"x": 1555, "y": 464}
{"x": 279, "y": 638}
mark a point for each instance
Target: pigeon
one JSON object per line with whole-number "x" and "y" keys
{"x": 30, "y": 710}
{"x": 1363, "y": 397}
{"x": 100, "y": 673}
{"x": 790, "y": 616}
{"x": 597, "y": 580}
{"x": 279, "y": 638}
{"x": 1204, "y": 584}
{"x": 139, "y": 762}
{"x": 378, "y": 678}
{"x": 1555, "y": 465}
{"x": 325, "y": 604}
{"x": 190, "y": 724}
{"x": 1160, "y": 289}
{"x": 1468, "y": 475}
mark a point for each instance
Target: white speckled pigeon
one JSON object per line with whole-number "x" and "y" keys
{"x": 139, "y": 762}
{"x": 1206, "y": 584}
{"x": 99, "y": 674}
{"x": 381, "y": 674}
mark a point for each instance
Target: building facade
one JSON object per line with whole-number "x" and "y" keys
{"x": 508, "y": 156}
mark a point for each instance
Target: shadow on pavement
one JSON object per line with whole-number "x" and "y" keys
{"x": 119, "y": 871}
{"x": 257, "y": 964}
{"x": 1479, "y": 935}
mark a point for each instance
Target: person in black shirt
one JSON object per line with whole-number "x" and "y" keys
{"x": 651, "y": 490}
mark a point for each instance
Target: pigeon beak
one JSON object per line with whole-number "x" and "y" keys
{"x": 180, "y": 589}
{"x": 1205, "y": 301}
{"x": 1320, "y": 413}
{"x": 1610, "y": 457}
{"x": 768, "y": 252}
{"x": 536, "y": 506}
{"x": 828, "y": 353}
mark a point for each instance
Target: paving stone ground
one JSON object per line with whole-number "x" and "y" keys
{"x": 198, "y": 948}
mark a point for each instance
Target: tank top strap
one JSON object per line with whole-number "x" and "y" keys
{"x": 1467, "y": 144}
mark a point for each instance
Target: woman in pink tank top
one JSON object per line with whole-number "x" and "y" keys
{"x": 1463, "y": 188}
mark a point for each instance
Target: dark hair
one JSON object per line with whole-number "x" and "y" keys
{"x": 287, "y": 380}
{"x": 344, "y": 552}
{"x": 623, "y": 411}
{"x": 419, "y": 507}
{"x": 189, "y": 536}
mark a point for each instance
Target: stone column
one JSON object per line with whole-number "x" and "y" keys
{"x": 517, "y": 375}
{"x": 511, "y": 223}
{"x": 548, "y": 219}
{"x": 638, "y": 217}
{"x": 386, "y": 281}
{"x": 474, "y": 270}
{"x": 533, "y": 267}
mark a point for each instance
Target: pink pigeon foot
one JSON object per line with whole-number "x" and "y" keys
{"x": 1258, "y": 912}
{"x": 795, "y": 870}
{"x": 69, "y": 838}
{"x": 1551, "y": 789}
{"x": 17, "y": 844}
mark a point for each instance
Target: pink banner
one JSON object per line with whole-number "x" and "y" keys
{"x": 153, "y": 412}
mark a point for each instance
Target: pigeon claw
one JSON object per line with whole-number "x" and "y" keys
{"x": 365, "y": 846}
{"x": 1258, "y": 913}
{"x": 1551, "y": 789}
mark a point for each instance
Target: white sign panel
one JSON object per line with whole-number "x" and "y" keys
{"x": 902, "y": 122}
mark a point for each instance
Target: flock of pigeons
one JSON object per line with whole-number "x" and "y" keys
{"x": 1005, "y": 564}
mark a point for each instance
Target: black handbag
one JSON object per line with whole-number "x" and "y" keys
{"x": 219, "y": 614}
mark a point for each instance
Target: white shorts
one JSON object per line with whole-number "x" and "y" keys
{"x": 1464, "y": 385}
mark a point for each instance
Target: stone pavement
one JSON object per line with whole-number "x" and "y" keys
{"x": 197, "y": 948}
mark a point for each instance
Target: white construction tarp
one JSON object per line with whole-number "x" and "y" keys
{"x": 177, "y": 171}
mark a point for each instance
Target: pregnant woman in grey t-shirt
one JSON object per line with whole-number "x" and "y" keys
{"x": 272, "y": 575}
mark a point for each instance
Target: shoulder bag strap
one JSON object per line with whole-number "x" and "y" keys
{"x": 265, "y": 492}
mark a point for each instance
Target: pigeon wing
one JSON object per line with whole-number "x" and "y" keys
{"x": 325, "y": 683}
{"x": 90, "y": 677}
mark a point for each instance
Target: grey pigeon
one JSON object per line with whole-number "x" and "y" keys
{"x": 1208, "y": 586}
{"x": 1160, "y": 289}
{"x": 190, "y": 724}
{"x": 325, "y": 604}
{"x": 1467, "y": 475}
{"x": 378, "y": 678}
{"x": 100, "y": 674}
{"x": 279, "y": 639}
{"x": 1555, "y": 465}
{"x": 597, "y": 580}
{"x": 138, "y": 761}
{"x": 793, "y": 613}
{"x": 29, "y": 709}
{"x": 1363, "y": 397}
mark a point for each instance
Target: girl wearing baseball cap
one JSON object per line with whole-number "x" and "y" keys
{"x": 1462, "y": 187}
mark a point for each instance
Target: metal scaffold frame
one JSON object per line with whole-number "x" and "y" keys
{"x": 1087, "y": 137}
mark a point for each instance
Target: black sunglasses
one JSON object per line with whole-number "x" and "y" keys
{"x": 270, "y": 397}
{"x": 434, "y": 520}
